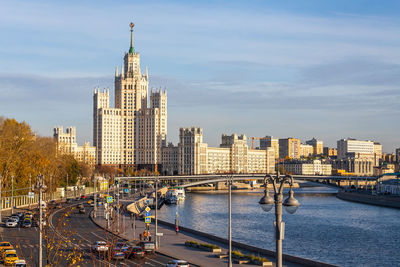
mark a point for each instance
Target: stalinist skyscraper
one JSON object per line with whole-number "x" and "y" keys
{"x": 133, "y": 132}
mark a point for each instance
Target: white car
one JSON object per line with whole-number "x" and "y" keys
{"x": 100, "y": 246}
{"x": 12, "y": 223}
{"x": 177, "y": 263}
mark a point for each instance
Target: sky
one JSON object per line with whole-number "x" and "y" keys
{"x": 311, "y": 68}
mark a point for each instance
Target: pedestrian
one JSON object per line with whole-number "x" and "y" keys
{"x": 177, "y": 229}
{"x": 140, "y": 237}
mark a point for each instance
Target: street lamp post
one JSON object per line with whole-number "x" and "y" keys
{"x": 229, "y": 182}
{"x": 156, "y": 207}
{"x": 40, "y": 186}
{"x": 291, "y": 204}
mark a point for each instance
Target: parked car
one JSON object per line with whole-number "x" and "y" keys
{"x": 99, "y": 246}
{"x": 28, "y": 215}
{"x": 69, "y": 200}
{"x": 135, "y": 252}
{"x": 59, "y": 206}
{"x": 177, "y": 263}
{"x": 15, "y": 217}
{"x": 20, "y": 263}
{"x": 4, "y": 252}
{"x": 83, "y": 197}
{"x": 118, "y": 255}
{"x": 82, "y": 211}
{"x": 12, "y": 223}
{"x": 10, "y": 257}
{"x": 148, "y": 247}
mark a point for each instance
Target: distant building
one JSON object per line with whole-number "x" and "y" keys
{"x": 330, "y": 152}
{"x": 306, "y": 150}
{"x": 192, "y": 156}
{"x": 289, "y": 147}
{"x": 318, "y": 146}
{"x": 386, "y": 168}
{"x": 352, "y": 148}
{"x": 314, "y": 167}
{"x": 389, "y": 185}
{"x": 389, "y": 158}
{"x": 398, "y": 155}
{"x": 66, "y": 144}
{"x": 359, "y": 165}
{"x": 269, "y": 141}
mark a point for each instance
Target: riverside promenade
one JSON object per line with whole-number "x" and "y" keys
{"x": 173, "y": 245}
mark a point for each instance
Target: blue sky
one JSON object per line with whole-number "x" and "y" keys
{"x": 325, "y": 69}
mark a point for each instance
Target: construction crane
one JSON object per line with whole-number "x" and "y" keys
{"x": 256, "y": 138}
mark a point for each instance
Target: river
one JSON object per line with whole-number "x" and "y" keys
{"x": 324, "y": 228}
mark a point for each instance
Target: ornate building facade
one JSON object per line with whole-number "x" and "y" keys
{"x": 133, "y": 132}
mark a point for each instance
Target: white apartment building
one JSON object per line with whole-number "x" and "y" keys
{"x": 133, "y": 132}
{"x": 315, "y": 167}
{"x": 66, "y": 144}
{"x": 352, "y": 148}
{"x": 195, "y": 157}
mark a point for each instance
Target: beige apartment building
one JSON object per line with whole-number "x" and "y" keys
{"x": 318, "y": 146}
{"x": 234, "y": 155}
{"x": 289, "y": 147}
{"x": 134, "y": 131}
{"x": 306, "y": 150}
{"x": 314, "y": 167}
{"x": 66, "y": 144}
{"x": 330, "y": 152}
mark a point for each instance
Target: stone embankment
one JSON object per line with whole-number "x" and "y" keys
{"x": 380, "y": 200}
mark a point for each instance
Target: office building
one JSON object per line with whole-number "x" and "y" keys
{"x": 269, "y": 141}
{"x": 314, "y": 167}
{"x": 318, "y": 146}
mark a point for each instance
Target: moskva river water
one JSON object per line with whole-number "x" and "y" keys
{"x": 324, "y": 228}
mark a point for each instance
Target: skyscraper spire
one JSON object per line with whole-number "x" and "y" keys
{"x": 131, "y": 49}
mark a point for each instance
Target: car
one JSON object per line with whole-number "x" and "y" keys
{"x": 27, "y": 223}
{"x": 83, "y": 197}
{"x": 15, "y": 217}
{"x": 52, "y": 202}
{"x": 99, "y": 246}
{"x": 148, "y": 247}
{"x": 120, "y": 246}
{"x": 118, "y": 255}
{"x": 4, "y": 251}
{"x": 59, "y": 206}
{"x": 82, "y": 211}
{"x": 80, "y": 206}
{"x": 28, "y": 215}
{"x": 10, "y": 257}
{"x": 20, "y": 214}
{"x": 177, "y": 263}
{"x": 20, "y": 263}
{"x": 135, "y": 252}
{"x": 5, "y": 245}
{"x": 11, "y": 223}
{"x": 69, "y": 200}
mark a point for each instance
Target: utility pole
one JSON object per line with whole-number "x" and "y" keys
{"x": 95, "y": 197}
{"x": 230, "y": 221}
{"x": 12, "y": 194}
{"x": 40, "y": 186}
{"x": 118, "y": 217}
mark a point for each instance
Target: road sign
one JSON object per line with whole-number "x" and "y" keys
{"x": 160, "y": 234}
{"x": 147, "y": 219}
{"x": 147, "y": 201}
{"x": 147, "y": 214}
{"x": 147, "y": 209}
{"x": 109, "y": 199}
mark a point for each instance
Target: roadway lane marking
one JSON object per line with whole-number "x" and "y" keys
{"x": 155, "y": 261}
{"x": 101, "y": 237}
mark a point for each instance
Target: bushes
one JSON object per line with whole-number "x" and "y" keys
{"x": 191, "y": 243}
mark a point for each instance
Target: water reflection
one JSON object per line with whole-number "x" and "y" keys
{"x": 324, "y": 227}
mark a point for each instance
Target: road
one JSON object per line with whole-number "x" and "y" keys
{"x": 69, "y": 238}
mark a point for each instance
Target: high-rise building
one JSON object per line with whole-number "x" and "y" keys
{"x": 318, "y": 146}
{"x": 66, "y": 144}
{"x": 346, "y": 146}
{"x": 398, "y": 155}
{"x": 269, "y": 141}
{"x": 289, "y": 147}
{"x": 133, "y": 132}
{"x": 306, "y": 150}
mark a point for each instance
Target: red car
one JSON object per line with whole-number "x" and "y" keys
{"x": 83, "y": 197}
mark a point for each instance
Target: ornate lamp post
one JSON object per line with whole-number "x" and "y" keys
{"x": 291, "y": 204}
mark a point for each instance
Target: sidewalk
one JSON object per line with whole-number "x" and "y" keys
{"x": 173, "y": 244}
